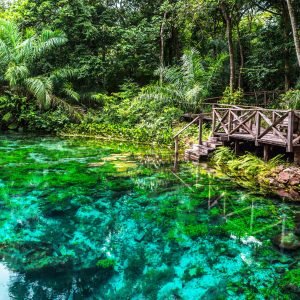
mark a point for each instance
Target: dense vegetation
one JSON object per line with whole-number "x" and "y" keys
{"x": 131, "y": 68}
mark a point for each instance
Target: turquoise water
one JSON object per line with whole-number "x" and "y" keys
{"x": 84, "y": 219}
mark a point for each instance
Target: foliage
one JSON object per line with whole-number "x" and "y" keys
{"x": 290, "y": 100}
{"x": 246, "y": 169}
{"x": 125, "y": 116}
{"x": 83, "y": 53}
{"x": 23, "y": 114}
{"x": 188, "y": 85}
{"x": 232, "y": 97}
{"x": 18, "y": 56}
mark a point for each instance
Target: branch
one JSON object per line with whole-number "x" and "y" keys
{"x": 266, "y": 9}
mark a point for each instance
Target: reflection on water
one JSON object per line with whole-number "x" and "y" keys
{"x": 5, "y": 277}
{"x": 84, "y": 219}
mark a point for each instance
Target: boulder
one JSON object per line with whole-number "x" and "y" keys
{"x": 283, "y": 177}
{"x": 284, "y": 182}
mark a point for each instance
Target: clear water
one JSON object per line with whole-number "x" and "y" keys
{"x": 84, "y": 219}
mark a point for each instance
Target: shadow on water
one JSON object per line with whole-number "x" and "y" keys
{"x": 83, "y": 219}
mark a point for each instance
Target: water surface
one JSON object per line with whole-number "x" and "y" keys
{"x": 83, "y": 219}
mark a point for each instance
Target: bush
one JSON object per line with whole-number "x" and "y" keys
{"x": 232, "y": 97}
{"x": 290, "y": 100}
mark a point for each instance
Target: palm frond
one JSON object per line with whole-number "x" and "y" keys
{"x": 49, "y": 40}
{"x": 9, "y": 33}
{"x": 76, "y": 112}
{"x": 41, "y": 88}
{"x": 16, "y": 74}
{"x": 69, "y": 91}
{"x": 5, "y": 53}
{"x": 26, "y": 49}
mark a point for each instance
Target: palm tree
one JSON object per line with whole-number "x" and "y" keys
{"x": 185, "y": 86}
{"x": 17, "y": 61}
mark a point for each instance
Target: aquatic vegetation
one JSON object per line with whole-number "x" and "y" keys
{"x": 97, "y": 231}
{"x": 106, "y": 263}
{"x": 248, "y": 170}
{"x": 195, "y": 230}
{"x": 291, "y": 280}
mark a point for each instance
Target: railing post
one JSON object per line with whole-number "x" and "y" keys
{"x": 257, "y": 125}
{"x": 291, "y": 122}
{"x": 200, "y": 131}
{"x": 176, "y": 149}
{"x": 213, "y": 120}
{"x": 229, "y": 123}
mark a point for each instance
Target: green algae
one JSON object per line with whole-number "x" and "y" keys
{"x": 106, "y": 228}
{"x": 106, "y": 263}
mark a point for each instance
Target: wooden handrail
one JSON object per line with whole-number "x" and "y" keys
{"x": 186, "y": 127}
{"x": 269, "y": 126}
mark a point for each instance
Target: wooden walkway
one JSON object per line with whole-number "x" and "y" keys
{"x": 263, "y": 127}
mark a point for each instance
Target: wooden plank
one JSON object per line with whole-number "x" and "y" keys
{"x": 266, "y": 152}
{"x": 213, "y": 121}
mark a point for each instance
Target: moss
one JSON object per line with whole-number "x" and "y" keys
{"x": 194, "y": 272}
{"x": 107, "y": 263}
{"x": 195, "y": 230}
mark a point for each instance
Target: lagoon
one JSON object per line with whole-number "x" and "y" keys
{"x": 89, "y": 219}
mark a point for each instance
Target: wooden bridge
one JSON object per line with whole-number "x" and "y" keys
{"x": 265, "y": 128}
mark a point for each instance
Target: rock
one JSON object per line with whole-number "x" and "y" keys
{"x": 283, "y": 177}
{"x": 282, "y": 193}
{"x": 287, "y": 241}
{"x": 140, "y": 236}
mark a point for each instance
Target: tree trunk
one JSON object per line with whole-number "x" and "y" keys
{"x": 242, "y": 59}
{"x": 286, "y": 32}
{"x": 228, "y": 20}
{"x": 162, "y": 47}
{"x": 294, "y": 28}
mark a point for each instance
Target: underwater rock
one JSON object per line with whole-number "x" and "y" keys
{"x": 140, "y": 236}
{"x": 287, "y": 241}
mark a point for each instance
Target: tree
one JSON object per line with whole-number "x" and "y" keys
{"x": 18, "y": 57}
{"x": 294, "y": 28}
{"x": 229, "y": 24}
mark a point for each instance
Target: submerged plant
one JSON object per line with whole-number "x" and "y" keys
{"x": 106, "y": 263}
{"x": 291, "y": 280}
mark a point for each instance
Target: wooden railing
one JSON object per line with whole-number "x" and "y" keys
{"x": 198, "y": 119}
{"x": 264, "y": 126}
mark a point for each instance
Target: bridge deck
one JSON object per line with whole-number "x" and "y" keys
{"x": 262, "y": 126}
